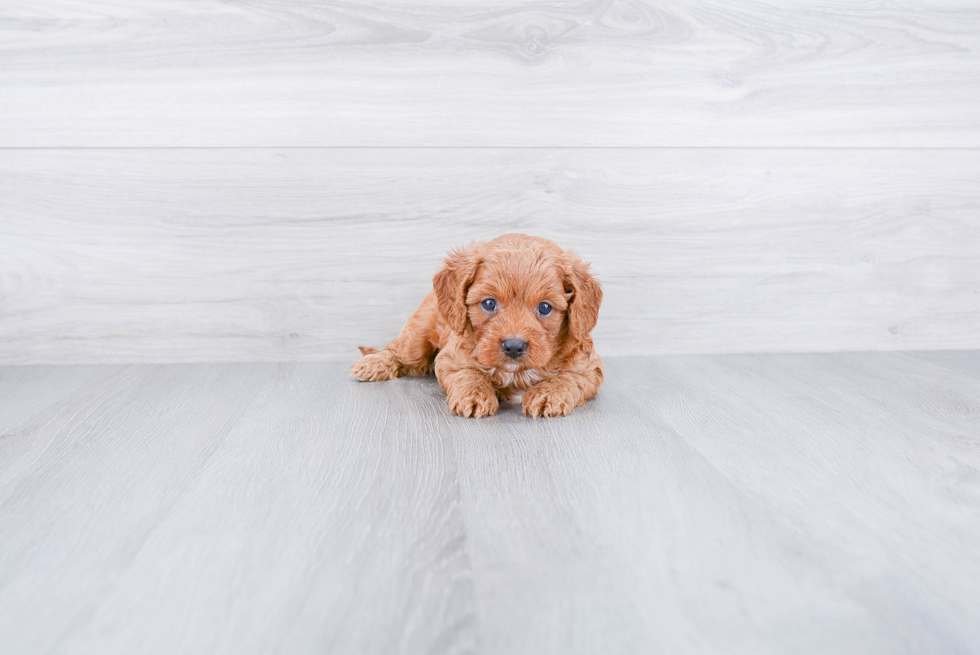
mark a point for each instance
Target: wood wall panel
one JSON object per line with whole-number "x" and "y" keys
{"x": 489, "y": 73}
{"x": 269, "y": 254}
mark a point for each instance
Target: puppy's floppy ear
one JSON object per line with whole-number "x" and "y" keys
{"x": 451, "y": 283}
{"x": 584, "y": 296}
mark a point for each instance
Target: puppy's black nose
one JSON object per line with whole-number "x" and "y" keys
{"x": 514, "y": 348}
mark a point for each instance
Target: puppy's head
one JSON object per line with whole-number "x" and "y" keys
{"x": 519, "y": 299}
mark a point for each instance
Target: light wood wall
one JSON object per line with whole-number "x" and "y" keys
{"x": 207, "y": 181}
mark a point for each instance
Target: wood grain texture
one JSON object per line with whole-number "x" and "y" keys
{"x": 459, "y": 73}
{"x": 741, "y": 503}
{"x": 229, "y": 255}
{"x": 228, "y": 509}
{"x": 754, "y": 504}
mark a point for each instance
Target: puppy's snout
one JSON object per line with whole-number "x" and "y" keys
{"x": 514, "y": 348}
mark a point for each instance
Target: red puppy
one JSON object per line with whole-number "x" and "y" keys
{"x": 508, "y": 319}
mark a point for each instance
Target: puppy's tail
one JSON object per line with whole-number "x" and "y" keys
{"x": 367, "y": 350}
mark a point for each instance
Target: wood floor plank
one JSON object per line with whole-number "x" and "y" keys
{"x": 38, "y": 401}
{"x": 852, "y": 454}
{"x": 230, "y": 255}
{"x": 83, "y": 73}
{"x": 966, "y": 362}
{"x": 26, "y": 391}
{"x": 237, "y": 509}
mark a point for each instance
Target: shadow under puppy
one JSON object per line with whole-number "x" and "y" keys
{"x": 509, "y": 320}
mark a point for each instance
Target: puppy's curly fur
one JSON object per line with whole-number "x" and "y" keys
{"x": 522, "y": 290}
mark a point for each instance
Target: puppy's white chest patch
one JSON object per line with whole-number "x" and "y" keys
{"x": 512, "y": 384}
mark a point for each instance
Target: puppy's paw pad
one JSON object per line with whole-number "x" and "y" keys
{"x": 548, "y": 404}
{"x": 474, "y": 404}
{"x": 374, "y": 368}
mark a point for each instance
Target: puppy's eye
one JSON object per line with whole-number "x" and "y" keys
{"x": 489, "y": 304}
{"x": 544, "y": 309}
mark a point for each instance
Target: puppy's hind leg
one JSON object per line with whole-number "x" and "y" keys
{"x": 410, "y": 353}
{"x": 376, "y": 366}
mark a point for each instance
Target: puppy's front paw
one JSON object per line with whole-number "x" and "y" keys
{"x": 474, "y": 402}
{"x": 375, "y": 367}
{"x": 548, "y": 401}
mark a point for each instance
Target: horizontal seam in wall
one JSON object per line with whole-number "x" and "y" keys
{"x": 449, "y": 147}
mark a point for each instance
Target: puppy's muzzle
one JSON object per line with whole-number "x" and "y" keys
{"x": 514, "y": 348}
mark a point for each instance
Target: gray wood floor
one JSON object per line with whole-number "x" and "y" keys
{"x": 703, "y": 504}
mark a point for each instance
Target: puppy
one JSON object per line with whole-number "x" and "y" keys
{"x": 509, "y": 320}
